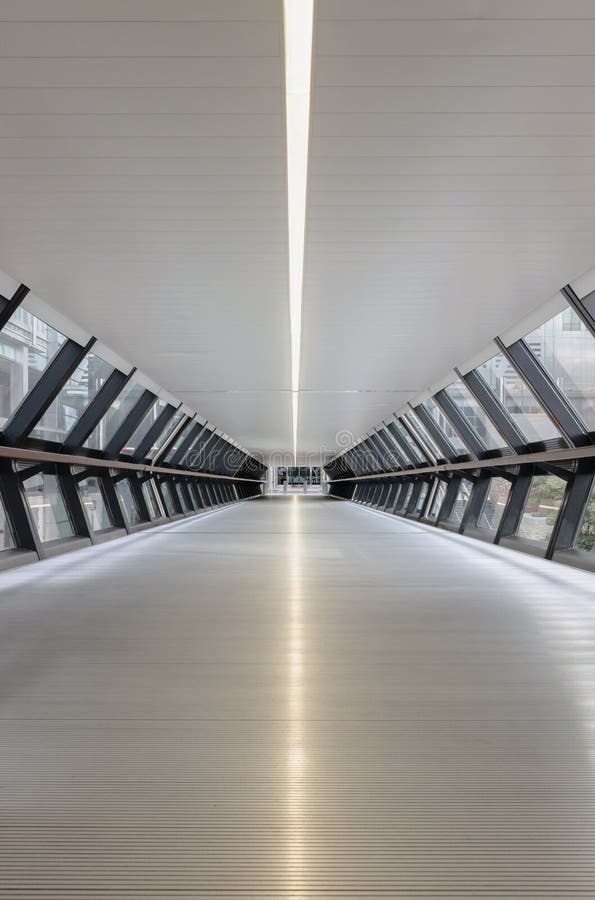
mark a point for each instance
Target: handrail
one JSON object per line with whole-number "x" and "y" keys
{"x": 70, "y": 459}
{"x": 545, "y": 456}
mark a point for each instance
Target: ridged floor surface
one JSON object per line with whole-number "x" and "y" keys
{"x": 297, "y": 697}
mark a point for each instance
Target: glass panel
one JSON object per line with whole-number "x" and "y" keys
{"x": 153, "y": 500}
{"x": 27, "y": 346}
{"x": 115, "y": 416}
{"x": 494, "y": 505}
{"x": 73, "y": 399}
{"x": 542, "y": 507}
{"x": 94, "y": 504}
{"x": 405, "y": 497}
{"x": 47, "y": 506}
{"x": 421, "y": 497}
{"x": 129, "y": 504}
{"x": 586, "y": 536}
{"x": 178, "y": 441}
{"x": 169, "y": 499}
{"x": 567, "y": 350}
{"x": 474, "y": 415}
{"x": 517, "y": 399}
{"x": 437, "y": 500}
{"x": 424, "y": 435}
{"x": 182, "y": 495}
{"x": 445, "y": 427}
{"x": 412, "y": 450}
{"x": 142, "y": 428}
{"x": 6, "y": 538}
{"x": 460, "y": 504}
{"x": 167, "y": 431}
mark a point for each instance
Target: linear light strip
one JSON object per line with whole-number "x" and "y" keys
{"x": 298, "y": 18}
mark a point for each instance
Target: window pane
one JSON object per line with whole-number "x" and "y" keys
{"x": 474, "y": 415}
{"x": 445, "y": 427}
{"x": 405, "y": 497}
{"x": 168, "y": 497}
{"x": 517, "y": 399}
{"x": 115, "y": 416}
{"x": 494, "y": 505}
{"x": 421, "y": 497}
{"x": 131, "y": 510}
{"x": 27, "y": 346}
{"x": 183, "y": 500}
{"x": 152, "y": 500}
{"x": 178, "y": 441}
{"x": 73, "y": 399}
{"x": 437, "y": 499}
{"x": 167, "y": 431}
{"x": 6, "y": 538}
{"x": 586, "y": 536}
{"x": 541, "y": 509}
{"x": 142, "y": 428}
{"x": 94, "y": 504}
{"x": 567, "y": 350}
{"x": 44, "y": 498}
{"x": 413, "y": 454}
{"x": 424, "y": 435}
{"x": 461, "y": 501}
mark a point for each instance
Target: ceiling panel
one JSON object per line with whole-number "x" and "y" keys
{"x": 452, "y": 190}
{"x": 143, "y": 184}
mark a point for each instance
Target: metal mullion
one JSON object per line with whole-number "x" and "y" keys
{"x": 96, "y": 410}
{"x": 137, "y": 492}
{"x": 551, "y": 398}
{"x": 460, "y": 424}
{"x": 69, "y": 488}
{"x": 435, "y": 432}
{"x": 582, "y": 308}
{"x": 345, "y": 464}
{"x": 194, "y": 433}
{"x": 379, "y": 452}
{"x": 130, "y": 424}
{"x": 203, "y": 449}
{"x": 8, "y": 306}
{"x": 42, "y": 394}
{"x": 17, "y": 510}
{"x": 156, "y": 429}
{"x": 360, "y": 465}
{"x": 450, "y": 496}
{"x": 217, "y": 451}
{"x": 400, "y": 442}
{"x": 570, "y": 516}
{"x": 354, "y": 462}
{"x": 517, "y": 500}
{"x": 494, "y": 410}
{"x": 113, "y": 502}
{"x": 162, "y": 452}
{"x": 423, "y": 451}
{"x": 395, "y": 449}
{"x": 380, "y": 438}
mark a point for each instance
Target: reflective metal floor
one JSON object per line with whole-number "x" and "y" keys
{"x": 297, "y": 698}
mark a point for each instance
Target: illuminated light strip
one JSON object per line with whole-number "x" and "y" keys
{"x": 298, "y": 18}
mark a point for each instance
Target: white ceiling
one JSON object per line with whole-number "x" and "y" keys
{"x": 143, "y": 190}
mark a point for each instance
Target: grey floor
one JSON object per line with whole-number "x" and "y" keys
{"x": 297, "y": 698}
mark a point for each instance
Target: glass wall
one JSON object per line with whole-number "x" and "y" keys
{"x": 165, "y": 434}
{"x": 48, "y": 510}
{"x": 461, "y": 500}
{"x": 445, "y": 427}
{"x": 73, "y": 399}
{"x": 494, "y": 505}
{"x": 518, "y": 400}
{"x": 94, "y": 504}
{"x": 586, "y": 536}
{"x": 474, "y": 415}
{"x": 423, "y": 434}
{"x": 541, "y": 509}
{"x": 566, "y": 349}
{"x": 115, "y": 416}
{"x": 27, "y": 346}
{"x": 153, "y": 500}
{"x": 143, "y": 427}
{"x": 128, "y": 502}
{"x": 437, "y": 500}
